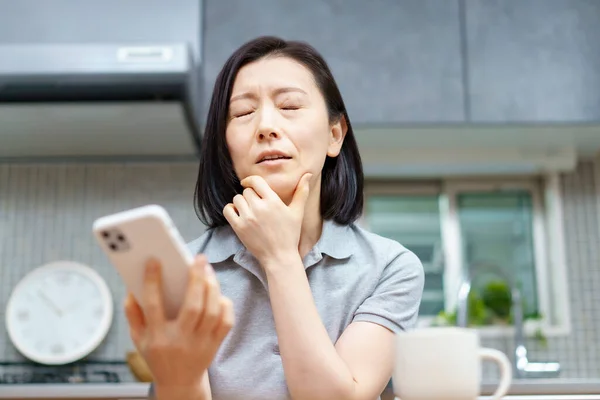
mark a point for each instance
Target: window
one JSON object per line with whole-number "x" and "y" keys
{"x": 498, "y": 230}
{"x": 497, "y": 233}
{"x": 414, "y": 221}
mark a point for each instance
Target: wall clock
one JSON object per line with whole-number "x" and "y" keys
{"x": 59, "y": 313}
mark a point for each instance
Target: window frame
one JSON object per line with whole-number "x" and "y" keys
{"x": 548, "y": 241}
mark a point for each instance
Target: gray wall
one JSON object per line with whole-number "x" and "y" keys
{"x": 394, "y": 61}
{"x": 46, "y": 212}
{"x": 434, "y": 61}
{"x": 532, "y": 60}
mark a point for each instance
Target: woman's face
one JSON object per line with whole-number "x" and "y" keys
{"x": 278, "y": 126}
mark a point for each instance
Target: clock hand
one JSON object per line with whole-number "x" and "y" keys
{"x": 48, "y": 301}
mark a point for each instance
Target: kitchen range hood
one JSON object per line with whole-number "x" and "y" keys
{"x": 99, "y": 100}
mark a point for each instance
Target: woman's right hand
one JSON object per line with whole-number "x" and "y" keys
{"x": 179, "y": 351}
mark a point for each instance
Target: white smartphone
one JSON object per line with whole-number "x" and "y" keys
{"x": 130, "y": 238}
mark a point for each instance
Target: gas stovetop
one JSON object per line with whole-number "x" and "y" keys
{"x": 72, "y": 374}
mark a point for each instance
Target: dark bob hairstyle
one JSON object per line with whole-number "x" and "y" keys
{"x": 217, "y": 184}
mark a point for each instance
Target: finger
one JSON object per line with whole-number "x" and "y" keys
{"x": 193, "y": 306}
{"x": 135, "y": 317}
{"x": 212, "y": 307}
{"x": 301, "y": 194}
{"x": 251, "y": 196}
{"x": 230, "y": 214}
{"x": 260, "y": 186}
{"x": 241, "y": 205}
{"x": 152, "y": 297}
{"x": 226, "y": 321}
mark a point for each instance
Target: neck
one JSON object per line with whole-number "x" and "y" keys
{"x": 312, "y": 224}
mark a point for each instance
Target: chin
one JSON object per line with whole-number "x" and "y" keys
{"x": 284, "y": 186}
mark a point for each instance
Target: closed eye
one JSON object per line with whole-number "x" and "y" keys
{"x": 290, "y": 108}
{"x": 243, "y": 114}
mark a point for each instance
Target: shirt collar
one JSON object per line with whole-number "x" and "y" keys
{"x": 336, "y": 241}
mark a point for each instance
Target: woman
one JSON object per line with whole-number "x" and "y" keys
{"x": 317, "y": 300}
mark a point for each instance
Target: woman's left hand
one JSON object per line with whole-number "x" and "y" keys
{"x": 268, "y": 227}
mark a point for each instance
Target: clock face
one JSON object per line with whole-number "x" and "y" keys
{"x": 59, "y": 313}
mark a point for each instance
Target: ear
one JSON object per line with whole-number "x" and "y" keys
{"x": 337, "y": 134}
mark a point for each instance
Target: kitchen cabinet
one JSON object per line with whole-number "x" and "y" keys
{"x": 533, "y": 61}
{"x": 109, "y": 21}
{"x": 396, "y": 61}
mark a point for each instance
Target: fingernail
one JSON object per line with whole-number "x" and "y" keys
{"x": 129, "y": 301}
{"x": 199, "y": 269}
{"x": 152, "y": 267}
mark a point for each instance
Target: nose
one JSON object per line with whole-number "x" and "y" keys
{"x": 267, "y": 128}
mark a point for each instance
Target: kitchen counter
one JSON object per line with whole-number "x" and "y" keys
{"x": 551, "y": 389}
{"x": 548, "y": 386}
{"x": 121, "y": 391}
{"x": 541, "y": 389}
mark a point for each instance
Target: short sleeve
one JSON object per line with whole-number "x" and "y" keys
{"x": 151, "y": 393}
{"x": 395, "y": 301}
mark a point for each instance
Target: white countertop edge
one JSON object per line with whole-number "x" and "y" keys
{"x": 533, "y": 387}
{"x": 70, "y": 391}
{"x": 543, "y": 397}
{"x": 548, "y": 397}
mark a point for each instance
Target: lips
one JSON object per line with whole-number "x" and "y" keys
{"x": 272, "y": 156}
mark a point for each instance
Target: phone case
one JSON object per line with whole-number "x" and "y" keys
{"x": 130, "y": 238}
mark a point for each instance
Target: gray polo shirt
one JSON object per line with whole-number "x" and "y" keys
{"x": 354, "y": 275}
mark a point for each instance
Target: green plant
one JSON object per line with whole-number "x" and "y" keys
{"x": 497, "y": 298}
{"x": 492, "y": 307}
{"x": 541, "y": 338}
{"x": 478, "y": 315}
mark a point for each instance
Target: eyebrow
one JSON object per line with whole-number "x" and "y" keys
{"x": 276, "y": 92}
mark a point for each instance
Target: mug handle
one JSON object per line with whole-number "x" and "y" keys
{"x": 505, "y": 370}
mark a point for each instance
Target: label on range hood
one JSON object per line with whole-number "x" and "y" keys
{"x": 144, "y": 54}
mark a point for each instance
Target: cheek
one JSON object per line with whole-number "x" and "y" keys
{"x": 237, "y": 149}
{"x": 314, "y": 144}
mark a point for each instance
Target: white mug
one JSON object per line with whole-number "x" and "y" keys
{"x": 445, "y": 364}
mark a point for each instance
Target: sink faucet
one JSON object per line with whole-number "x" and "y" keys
{"x": 523, "y": 368}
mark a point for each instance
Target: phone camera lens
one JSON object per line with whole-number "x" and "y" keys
{"x": 105, "y": 234}
{"x": 121, "y": 238}
{"x": 113, "y": 246}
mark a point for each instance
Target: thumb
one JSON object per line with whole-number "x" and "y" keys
{"x": 301, "y": 193}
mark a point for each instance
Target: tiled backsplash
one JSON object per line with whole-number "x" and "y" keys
{"x": 46, "y": 213}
